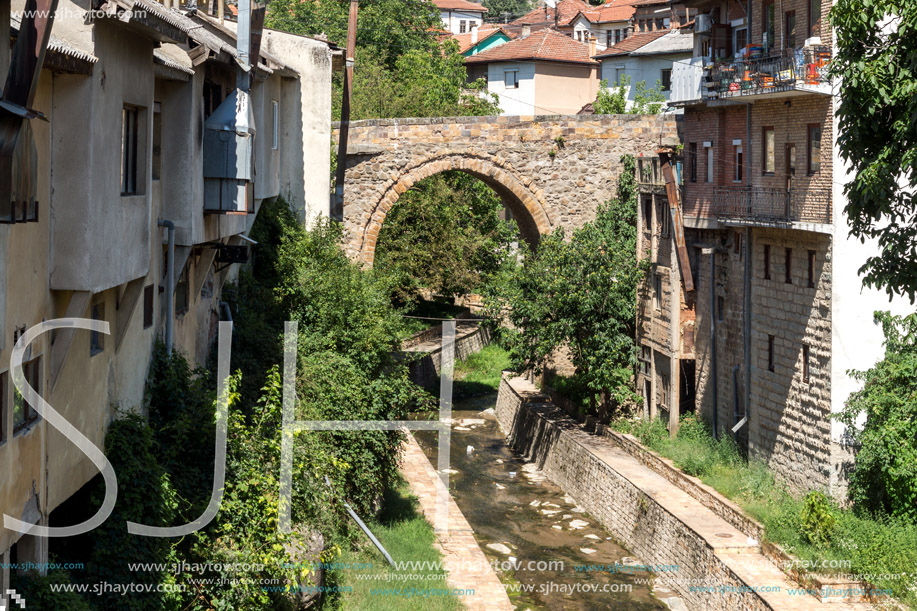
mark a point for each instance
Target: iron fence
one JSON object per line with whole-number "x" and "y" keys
{"x": 772, "y": 205}
{"x": 772, "y": 73}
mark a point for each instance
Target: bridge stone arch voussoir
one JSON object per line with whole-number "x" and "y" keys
{"x": 528, "y": 207}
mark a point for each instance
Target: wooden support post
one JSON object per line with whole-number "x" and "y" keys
{"x": 337, "y": 208}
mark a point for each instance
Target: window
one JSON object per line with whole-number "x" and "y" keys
{"x": 645, "y": 355}
{"x": 666, "y": 79}
{"x": 97, "y": 338}
{"x": 814, "y": 18}
{"x": 157, "y": 141}
{"x": 741, "y": 40}
{"x": 213, "y": 97}
{"x": 789, "y": 19}
{"x": 182, "y": 291}
{"x": 275, "y": 108}
{"x": 657, "y": 291}
{"x": 709, "y": 164}
{"x": 805, "y": 363}
{"x": 769, "y": 25}
{"x": 811, "y": 269}
{"x": 148, "y": 295}
{"x": 737, "y": 242}
{"x": 660, "y": 24}
{"x": 788, "y": 265}
{"x": 739, "y": 166}
{"x": 609, "y": 38}
{"x": 814, "y": 148}
{"x": 462, "y": 26}
{"x": 663, "y": 390}
{"x": 664, "y": 219}
{"x": 618, "y": 36}
{"x": 769, "y": 154}
{"x": 579, "y": 35}
{"x": 692, "y": 161}
{"x": 511, "y": 79}
{"x": 130, "y": 130}
{"x": 789, "y": 163}
{"x": 770, "y": 352}
{"x": 648, "y": 214}
{"x": 720, "y": 308}
{"x": 767, "y": 262}
{"x": 23, "y": 413}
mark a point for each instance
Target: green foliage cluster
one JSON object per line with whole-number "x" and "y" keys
{"x": 884, "y": 477}
{"x": 876, "y": 62}
{"x": 580, "y": 293}
{"x": 444, "y": 235}
{"x": 481, "y": 372}
{"x": 505, "y": 11}
{"x": 613, "y": 100}
{"x": 813, "y": 529}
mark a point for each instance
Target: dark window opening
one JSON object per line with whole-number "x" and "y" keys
{"x": 130, "y": 131}
{"x": 149, "y": 293}
{"x": 767, "y": 262}
{"x": 790, "y": 32}
{"x": 811, "y": 272}
{"x": 788, "y": 266}
{"x": 805, "y": 363}
{"x": 666, "y": 79}
{"x": 157, "y": 141}
{"x": 770, "y": 352}
{"x": 182, "y": 291}
{"x": 692, "y": 161}
{"x": 23, "y": 413}
{"x": 814, "y": 148}
{"x": 97, "y": 338}
{"x": 814, "y": 18}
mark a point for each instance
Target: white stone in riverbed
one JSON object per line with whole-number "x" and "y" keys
{"x": 499, "y": 547}
{"x": 550, "y": 512}
{"x": 578, "y": 524}
{"x": 569, "y": 500}
{"x": 499, "y": 487}
{"x": 558, "y": 527}
{"x": 470, "y": 421}
{"x": 551, "y": 505}
{"x": 462, "y": 428}
{"x": 578, "y": 509}
{"x": 449, "y": 471}
{"x": 567, "y": 516}
{"x": 469, "y": 449}
{"x": 499, "y": 461}
{"x": 591, "y": 536}
{"x": 535, "y": 503}
{"x": 587, "y": 550}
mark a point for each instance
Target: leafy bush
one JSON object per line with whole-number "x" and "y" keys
{"x": 884, "y": 477}
{"x": 816, "y": 520}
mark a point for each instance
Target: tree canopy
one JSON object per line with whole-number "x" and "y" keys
{"x": 876, "y": 61}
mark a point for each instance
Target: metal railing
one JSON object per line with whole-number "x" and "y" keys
{"x": 773, "y": 73}
{"x": 772, "y": 205}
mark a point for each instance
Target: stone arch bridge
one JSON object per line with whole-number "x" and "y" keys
{"x": 550, "y": 171}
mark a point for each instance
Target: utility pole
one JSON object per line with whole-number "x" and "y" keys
{"x": 337, "y": 207}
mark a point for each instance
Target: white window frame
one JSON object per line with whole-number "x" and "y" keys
{"x": 515, "y": 74}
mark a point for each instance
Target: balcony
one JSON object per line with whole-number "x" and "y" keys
{"x": 772, "y": 207}
{"x": 800, "y": 71}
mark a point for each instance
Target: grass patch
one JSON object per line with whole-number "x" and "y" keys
{"x": 480, "y": 372}
{"x": 873, "y": 545}
{"x": 407, "y": 536}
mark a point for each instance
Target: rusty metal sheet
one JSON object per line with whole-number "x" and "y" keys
{"x": 678, "y": 224}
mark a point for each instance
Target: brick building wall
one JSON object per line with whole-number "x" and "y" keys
{"x": 719, "y": 126}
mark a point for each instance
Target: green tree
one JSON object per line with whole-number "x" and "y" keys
{"x": 444, "y": 235}
{"x": 884, "y": 477}
{"x": 876, "y": 61}
{"x": 582, "y": 293}
{"x": 506, "y": 10}
{"x": 613, "y": 100}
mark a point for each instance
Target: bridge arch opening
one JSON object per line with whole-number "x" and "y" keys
{"x": 526, "y": 205}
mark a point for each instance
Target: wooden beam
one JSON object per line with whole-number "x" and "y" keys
{"x": 678, "y": 225}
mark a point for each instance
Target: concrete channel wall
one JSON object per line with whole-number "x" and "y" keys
{"x": 633, "y": 507}
{"x": 470, "y": 337}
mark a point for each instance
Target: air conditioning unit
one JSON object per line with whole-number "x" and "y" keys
{"x": 703, "y": 23}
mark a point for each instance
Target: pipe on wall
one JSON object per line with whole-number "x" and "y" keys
{"x": 170, "y": 283}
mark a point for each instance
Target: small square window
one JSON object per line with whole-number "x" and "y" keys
{"x": 97, "y": 338}
{"x": 511, "y": 79}
{"x": 149, "y": 293}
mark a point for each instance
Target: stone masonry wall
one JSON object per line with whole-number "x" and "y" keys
{"x": 513, "y": 155}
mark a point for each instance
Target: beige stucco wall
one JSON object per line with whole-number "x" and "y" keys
{"x": 564, "y": 88}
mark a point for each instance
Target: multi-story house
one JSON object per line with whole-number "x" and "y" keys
{"x": 460, "y": 16}
{"x": 780, "y": 314}
{"x": 156, "y": 154}
{"x": 541, "y": 73}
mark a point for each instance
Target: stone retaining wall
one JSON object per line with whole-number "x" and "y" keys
{"x": 425, "y": 371}
{"x": 542, "y": 433}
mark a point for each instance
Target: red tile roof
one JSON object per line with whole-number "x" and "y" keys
{"x": 614, "y": 10}
{"x": 546, "y": 45}
{"x": 567, "y": 11}
{"x": 484, "y": 32}
{"x": 632, "y": 43}
{"x": 459, "y": 5}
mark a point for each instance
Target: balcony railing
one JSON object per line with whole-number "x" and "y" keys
{"x": 772, "y": 206}
{"x": 805, "y": 69}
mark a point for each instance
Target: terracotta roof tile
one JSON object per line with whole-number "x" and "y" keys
{"x": 567, "y": 11}
{"x": 459, "y": 5}
{"x": 546, "y": 45}
{"x": 632, "y": 43}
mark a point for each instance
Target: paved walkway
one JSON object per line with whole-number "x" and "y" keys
{"x": 466, "y": 564}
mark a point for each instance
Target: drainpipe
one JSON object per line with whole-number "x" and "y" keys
{"x": 243, "y": 43}
{"x": 713, "y": 339}
{"x": 225, "y": 311}
{"x": 746, "y": 302}
{"x": 170, "y": 283}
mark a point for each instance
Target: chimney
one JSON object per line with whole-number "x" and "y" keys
{"x": 526, "y": 31}
{"x": 474, "y": 35}
{"x": 591, "y": 46}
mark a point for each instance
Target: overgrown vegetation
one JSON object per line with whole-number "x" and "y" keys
{"x": 444, "y": 235}
{"x": 613, "y": 100}
{"x": 580, "y": 293}
{"x": 480, "y": 373}
{"x": 880, "y": 548}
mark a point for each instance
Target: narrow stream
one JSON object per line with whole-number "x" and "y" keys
{"x": 518, "y": 515}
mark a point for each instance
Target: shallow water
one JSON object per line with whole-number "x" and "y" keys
{"x": 535, "y": 521}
